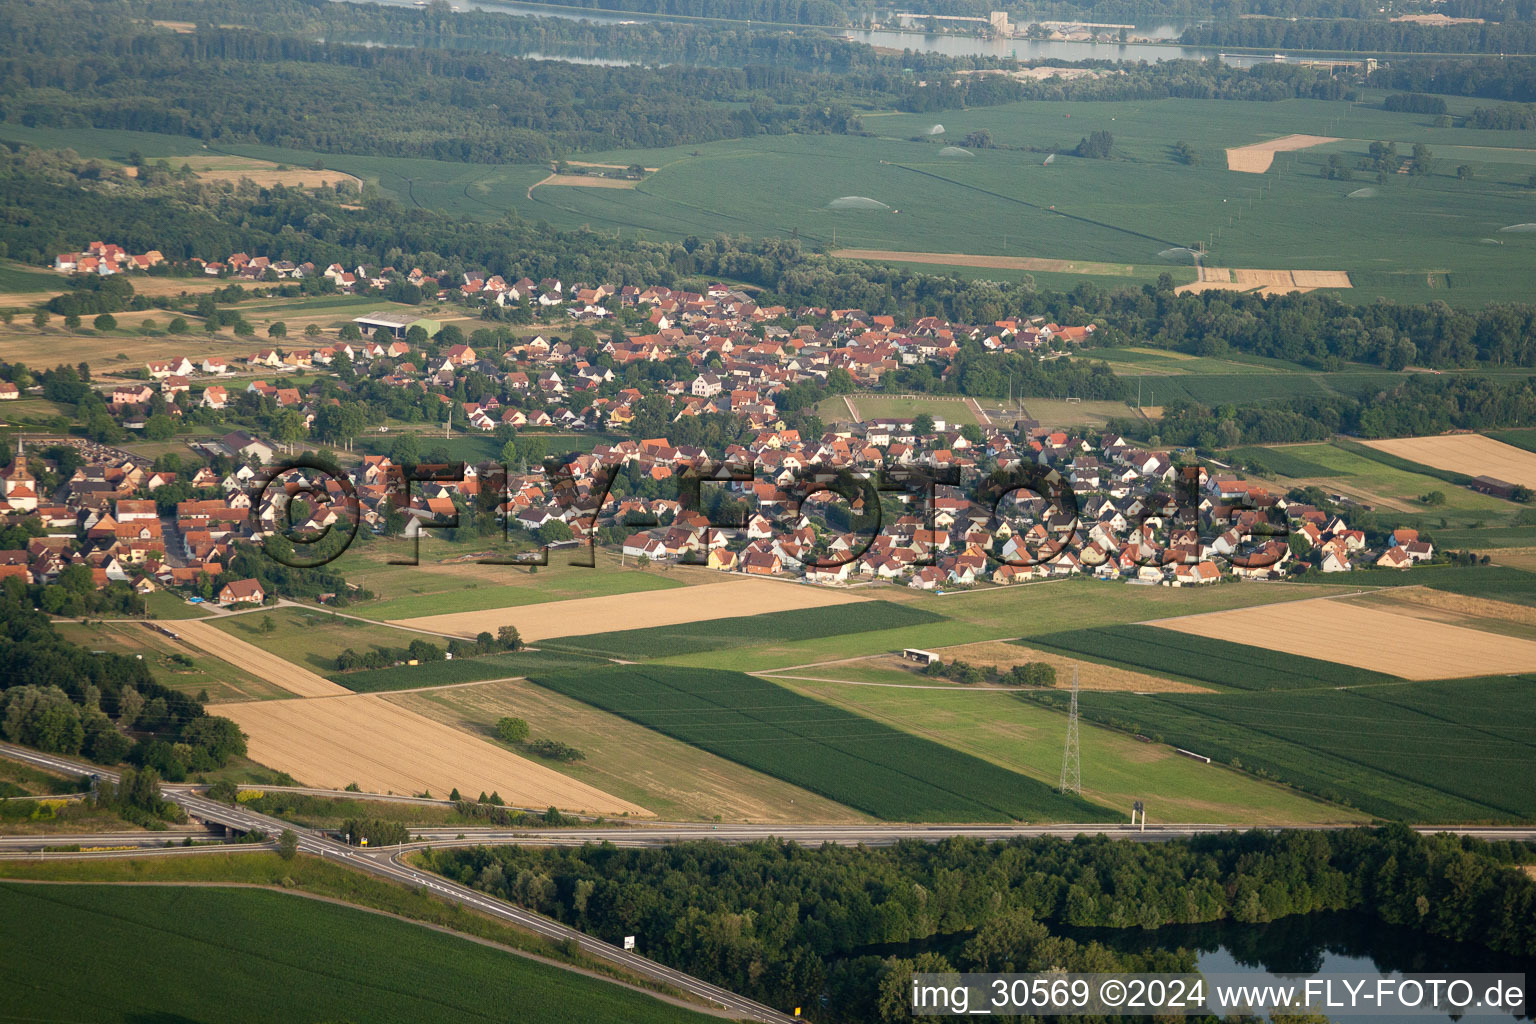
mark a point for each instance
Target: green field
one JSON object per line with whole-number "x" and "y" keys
{"x": 1117, "y": 769}
{"x": 464, "y": 670}
{"x": 14, "y": 277}
{"x": 746, "y": 631}
{"x": 313, "y": 638}
{"x": 1396, "y": 489}
{"x": 845, "y": 757}
{"x": 1458, "y": 750}
{"x": 1201, "y": 659}
{"x": 1415, "y": 239}
{"x": 176, "y": 954}
{"x": 1283, "y": 461}
{"x": 677, "y": 781}
{"x": 554, "y": 586}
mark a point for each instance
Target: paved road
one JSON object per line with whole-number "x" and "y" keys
{"x": 386, "y": 863}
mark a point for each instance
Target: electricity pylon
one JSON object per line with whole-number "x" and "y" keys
{"x": 1072, "y": 757}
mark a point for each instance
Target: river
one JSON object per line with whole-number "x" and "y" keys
{"x": 951, "y": 44}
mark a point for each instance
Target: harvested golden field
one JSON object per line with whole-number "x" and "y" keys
{"x": 675, "y": 780}
{"x": 742, "y": 596}
{"x": 1265, "y": 282}
{"x": 1257, "y": 158}
{"x": 1365, "y": 637}
{"x": 584, "y": 181}
{"x": 258, "y": 662}
{"x": 612, "y": 167}
{"x": 952, "y": 259}
{"x": 1472, "y": 454}
{"x": 265, "y": 173}
{"x": 1452, "y": 604}
{"x": 1090, "y": 675}
{"x": 363, "y": 738}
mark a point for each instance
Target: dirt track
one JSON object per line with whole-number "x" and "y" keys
{"x": 384, "y": 748}
{"x": 253, "y": 659}
{"x": 1369, "y": 638}
{"x": 731, "y": 597}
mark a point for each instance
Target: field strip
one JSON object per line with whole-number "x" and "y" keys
{"x": 952, "y": 259}
{"x": 1266, "y": 282}
{"x": 583, "y": 181}
{"x": 299, "y": 681}
{"x": 1257, "y": 158}
{"x": 611, "y": 167}
{"x": 1472, "y": 454}
{"x": 729, "y": 599}
{"x": 982, "y": 417}
{"x": 382, "y": 747}
{"x": 853, "y": 410}
{"x": 1365, "y": 637}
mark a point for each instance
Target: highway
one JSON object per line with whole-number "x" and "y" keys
{"x": 388, "y": 863}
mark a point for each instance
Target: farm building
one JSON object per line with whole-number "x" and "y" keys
{"x": 397, "y": 324}
{"x": 1491, "y": 485}
{"x": 920, "y": 656}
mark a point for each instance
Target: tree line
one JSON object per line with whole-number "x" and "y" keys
{"x": 793, "y": 926}
{"x": 1355, "y": 35}
{"x": 60, "y": 698}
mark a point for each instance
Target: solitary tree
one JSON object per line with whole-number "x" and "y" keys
{"x": 512, "y": 730}
{"x": 287, "y": 844}
{"x": 106, "y": 322}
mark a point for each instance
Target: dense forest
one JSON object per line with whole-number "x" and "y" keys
{"x": 60, "y": 698}
{"x": 782, "y": 923}
{"x": 1495, "y": 78}
{"x": 456, "y": 94}
{"x": 1365, "y": 36}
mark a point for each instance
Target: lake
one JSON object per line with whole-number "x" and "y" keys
{"x": 1306, "y": 944}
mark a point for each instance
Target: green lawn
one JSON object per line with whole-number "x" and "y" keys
{"x": 163, "y": 605}
{"x": 221, "y": 680}
{"x": 313, "y": 638}
{"x": 204, "y": 954}
{"x": 953, "y": 411}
